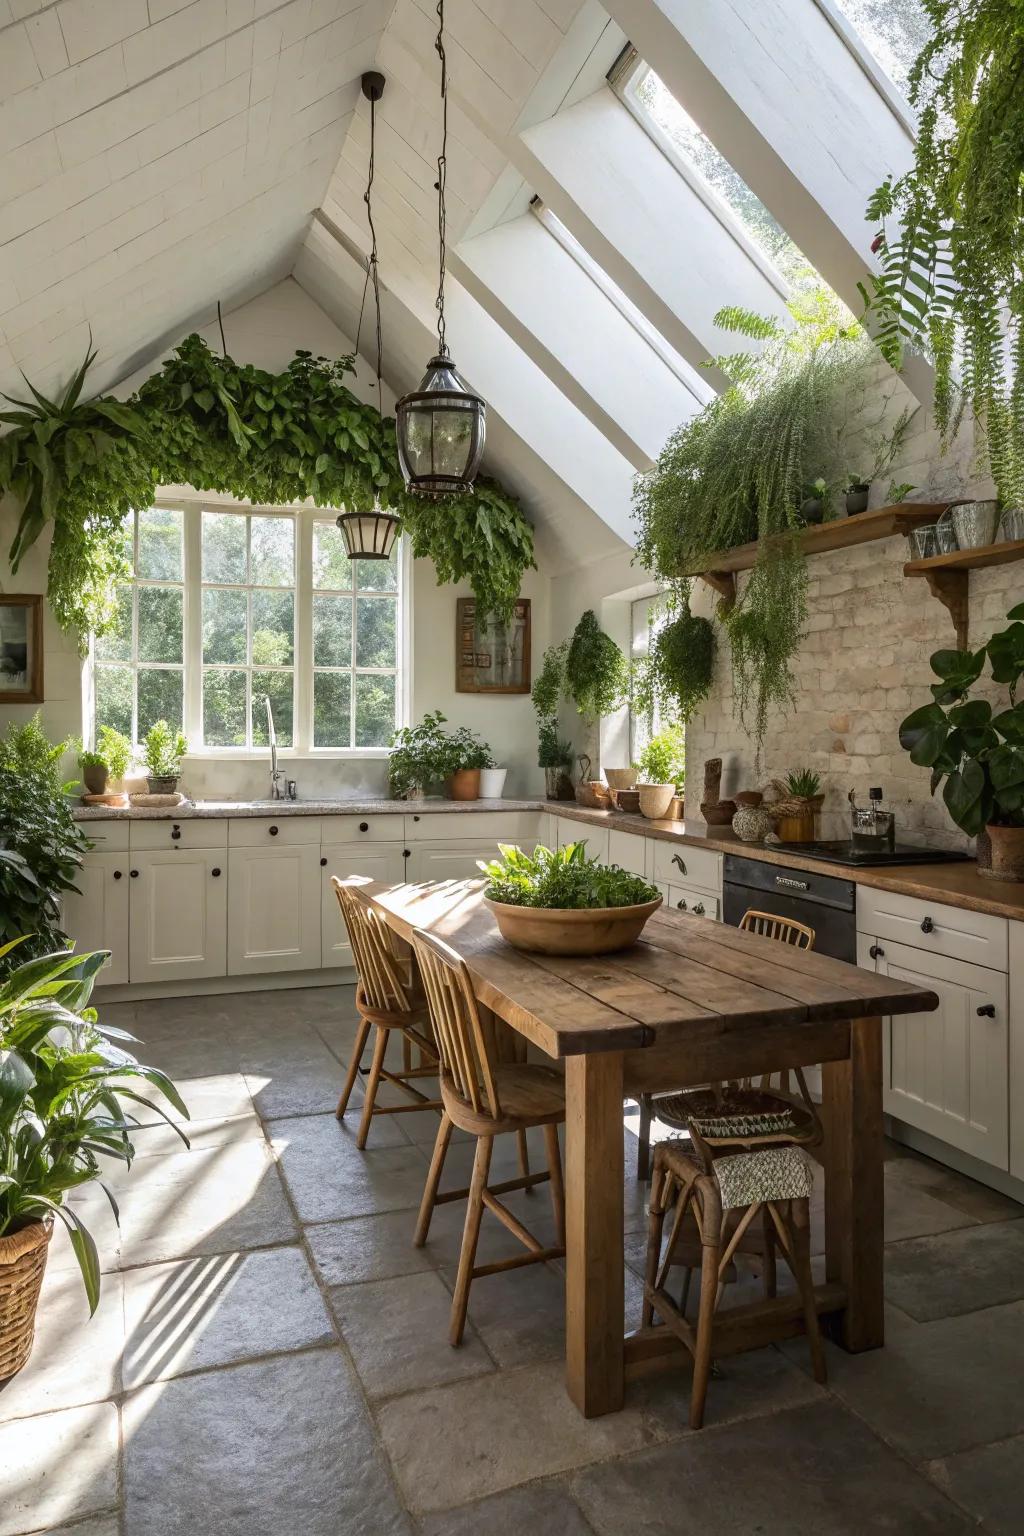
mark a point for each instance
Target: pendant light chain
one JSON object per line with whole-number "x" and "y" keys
{"x": 372, "y": 272}
{"x": 442, "y": 173}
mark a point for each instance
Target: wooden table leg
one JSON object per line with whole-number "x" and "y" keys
{"x": 854, "y": 1190}
{"x": 594, "y": 1286}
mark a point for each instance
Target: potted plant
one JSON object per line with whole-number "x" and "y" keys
{"x": 109, "y": 763}
{"x": 466, "y": 757}
{"x": 678, "y": 671}
{"x": 975, "y": 751}
{"x": 95, "y": 772}
{"x": 816, "y": 499}
{"x": 596, "y": 671}
{"x": 492, "y": 782}
{"x": 554, "y": 755}
{"x": 559, "y": 902}
{"x": 857, "y": 492}
{"x": 418, "y": 757}
{"x": 162, "y": 754}
{"x": 798, "y": 799}
{"x": 68, "y": 1092}
{"x": 662, "y": 773}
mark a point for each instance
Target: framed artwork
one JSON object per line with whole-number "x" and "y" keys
{"x": 21, "y": 648}
{"x": 490, "y": 655}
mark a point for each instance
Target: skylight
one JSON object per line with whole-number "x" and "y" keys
{"x": 893, "y": 31}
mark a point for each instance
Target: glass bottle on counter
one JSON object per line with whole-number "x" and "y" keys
{"x": 872, "y": 826}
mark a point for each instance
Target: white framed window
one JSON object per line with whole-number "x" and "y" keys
{"x": 885, "y": 37}
{"x": 229, "y": 605}
{"x": 647, "y": 615}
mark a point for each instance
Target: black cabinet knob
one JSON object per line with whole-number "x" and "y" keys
{"x": 364, "y": 826}
{"x": 215, "y": 872}
{"x": 406, "y": 854}
{"x": 272, "y": 831}
{"x": 876, "y": 951}
{"x": 134, "y": 874}
{"x": 323, "y": 863}
{"x": 927, "y": 926}
{"x": 415, "y": 818}
{"x": 987, "y": 1011}
{"x": 176, "y": 833}
{"x": 117, "y": 874}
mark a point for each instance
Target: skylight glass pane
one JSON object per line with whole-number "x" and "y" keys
{"x": 893, "y": 31}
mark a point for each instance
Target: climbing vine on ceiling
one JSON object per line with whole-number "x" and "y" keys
{"x": 218, "y": 425}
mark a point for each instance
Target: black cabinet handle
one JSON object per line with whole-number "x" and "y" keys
{"x": 681, "y": 905}
{"x": 927, "y": 926}
{"x": 134, "y": 874}
{"x": 117, "y": 874}
{"x": 677, "y": 861}
{"x": 364, "y": 826}
{"x": 876, "y": 951}
{"x": 273, "y": 831}
{"x": 176, "y": 833}
{"x": 323, "y": 863}
{"x": 215, "y": 872}
{"x": 698, "y": 910}
{"x": 987, "y": 1011}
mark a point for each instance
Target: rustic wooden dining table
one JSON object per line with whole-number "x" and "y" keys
{"x": 692, "y": 1002}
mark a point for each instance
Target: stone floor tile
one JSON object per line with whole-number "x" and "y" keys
{"x": 367, "y": 1248}
{"x": 542, "y": 1509}
{"x": 453, "y": 1444}
{"x": 932, "y": 1277}
{"x": 397, "y": 1331}
{"x": 274, "y": 1447}
{"x": 58, "y": 1467}
{"x": 810, "y": 1471}
{"x": 75, "y": 1359}
{"x": 988, "y": 1483}
{"x": 743, "y": 1386}
{"x": 101, "y": 1525}
{"x": 159, "y": 1140}
{"x": 329, "y": 1178}
{"x": 219, "y": 1309}
{"x": 520, "y": 1314}
{"x": 952, "y": 1188}
{"x": 223, "y": 1096}
{"x": 912, "y": 1212}
{"x": 218, "y": 1201}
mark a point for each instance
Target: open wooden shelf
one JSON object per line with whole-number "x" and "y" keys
{"x": 947, "y": 578}
{"x": 719, "y": 570}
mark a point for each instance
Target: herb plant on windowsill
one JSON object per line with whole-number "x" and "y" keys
{"x": 559, "y": 902}
{"x": 162, "y": 754}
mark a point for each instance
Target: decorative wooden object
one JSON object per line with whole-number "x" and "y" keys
{"x": 21, "y": 648}
{"x": 486, "y": 1100}
{"x": 693, "y": 1002}
{"x": 947, "y": 577}
{"x": 719, "y": 570}
{"x": 492, "y": 656}
{"x": 384, "y": 999}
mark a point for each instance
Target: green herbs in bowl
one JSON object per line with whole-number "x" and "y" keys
{"x": 559, "y": 902}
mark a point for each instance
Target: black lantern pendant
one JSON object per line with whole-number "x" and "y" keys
{"x": 441, "y": 426}
{"x": 371, "y": 535}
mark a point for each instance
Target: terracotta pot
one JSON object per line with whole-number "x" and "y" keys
{"x": 718, "y": 813}
{"x": 464, "y": 784}
{"x": 22, "y": 1262}
{"x": 546, "y": 931}
{"x": 94, "y": 777}
{"x": 655, "y": 800}
{"x": 1007, "y": 853}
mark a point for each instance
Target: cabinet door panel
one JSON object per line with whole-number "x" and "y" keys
{"x": 595, "y": 838}
{"x": 273, "y": 909}
{"x": 947, "y": 1072}
{"x": 684, "y": 898}
{"x": 385, "y": 864}
{"x": 450, "y": 861}
{"x": 96, "y": 916}
{"x": 178, "y": 914}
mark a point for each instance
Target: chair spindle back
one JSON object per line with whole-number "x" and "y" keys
{"x": 785, "y": 929}
{"x": 380, "y": 979}
{"x": 458, "y": 1030}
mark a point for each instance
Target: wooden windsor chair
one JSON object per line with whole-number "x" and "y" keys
{"x": 486, "y": 1099}
{"x": 387, "y": 999}
{"x": 746, "y": 1155}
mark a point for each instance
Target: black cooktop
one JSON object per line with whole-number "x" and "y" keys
{"x": 864, "y": 858}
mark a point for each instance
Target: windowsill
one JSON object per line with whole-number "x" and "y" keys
{"x": 289, "y": 754}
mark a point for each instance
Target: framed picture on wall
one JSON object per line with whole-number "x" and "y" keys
{"x": 21, "y": 648}
{"x": 491, "y": 656}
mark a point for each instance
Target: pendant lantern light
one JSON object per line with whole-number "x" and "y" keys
{"x": 371, "y": 534}
{"x": 441, "y": 426}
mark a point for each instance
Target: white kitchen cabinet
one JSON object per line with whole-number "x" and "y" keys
{"x": 1017, "y": 1049}
{"x": 178, "y": 926}
{"x": 947, "y": 1072}
{"x": 595, "y": 838}
{"x": 274, "y": 908}
{"x": 343, "y": 859}
{"x": 96, "y": 917}
{"x": 449, "y": 861}
{"x": 629, "y": 851}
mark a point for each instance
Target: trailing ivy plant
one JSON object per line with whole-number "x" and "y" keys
{"x": 546, "y": 695}
{"x": 596, "y": 671}
{"x": 678, "y": 669}
{"x": 951, "y": 234}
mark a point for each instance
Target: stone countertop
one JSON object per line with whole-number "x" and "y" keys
{"x": 956, "y": 884}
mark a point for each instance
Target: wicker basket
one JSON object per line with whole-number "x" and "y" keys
{"x": 22, "y": 1262}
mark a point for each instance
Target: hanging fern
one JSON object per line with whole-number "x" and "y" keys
{"x": 596, "y": 671}
{"x": 951, "y": 230}
{"x": 678, "y": 670}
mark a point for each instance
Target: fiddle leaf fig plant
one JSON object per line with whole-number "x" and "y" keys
{"x": 974, "y": 752}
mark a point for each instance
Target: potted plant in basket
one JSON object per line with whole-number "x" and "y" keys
{"x": 975, "y": 751}
{"x": 797, "y": 801}
{"x": 67, "y": 1093}
{"x": 662, "y": 773}
{"x": 162, "y": 754}
{"x": 559, "y": 902}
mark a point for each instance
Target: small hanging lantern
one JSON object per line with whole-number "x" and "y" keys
{"x": 371, "y": 535}
{"x": 441, "y": 426}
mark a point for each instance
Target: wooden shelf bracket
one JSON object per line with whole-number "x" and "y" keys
{"x": 724, "y": 583}
{"x": 950, "y": 587}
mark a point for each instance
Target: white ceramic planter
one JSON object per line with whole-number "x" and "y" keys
{"x": 655, "y": 800}
{"x": 492, "y": 783}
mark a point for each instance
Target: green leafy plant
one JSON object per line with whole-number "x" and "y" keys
{"x": 67, "y": 1093}
{"x": 663, "y": 760}
{"x": 546, "y": 695}
{"x": 678, "y": 670}
{"x": 553, "y": 751}
{"x": 804, "y": 784}
{"x": 91, "y": 759}
{"x": 163, "y": 751}
{"x": 41, "y": 845}
{"x": 949, "y": 229}
{"x": 973, "y": 751}
{"x": 418, "y": 755}
{"x": 596, "y": 671}
{"x": 898, "y": 491}
{"x": 562, "y": 878}
{"x": 114, "y": 750}
{"x": 465, "y": 750}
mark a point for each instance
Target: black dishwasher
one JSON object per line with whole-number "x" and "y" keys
{"x": 826, "y": 904}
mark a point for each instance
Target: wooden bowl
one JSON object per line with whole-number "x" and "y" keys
{"x": 749, "y": 797}
{"x": 627, "y": 800}
{"x": 720, "y": 814}
{"x": 547, "y": 931}
{"x": 594, "y": 795}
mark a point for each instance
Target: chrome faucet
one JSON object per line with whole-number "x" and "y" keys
{"x": 290, "y": 791}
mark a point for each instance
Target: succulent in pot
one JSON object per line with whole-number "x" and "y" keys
{"x": 559, "y": 902}
{"x": 162, "y": 754}
{"x": 976, "y": 750}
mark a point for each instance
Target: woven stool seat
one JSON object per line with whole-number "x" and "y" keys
{"x": 732, "y": 1113}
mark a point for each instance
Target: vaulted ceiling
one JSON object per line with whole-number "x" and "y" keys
{"x": 159, "y": 155}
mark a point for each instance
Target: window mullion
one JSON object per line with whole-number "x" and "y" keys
{"x": 302, "y": 715}
{"x": 193, "y": 604}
